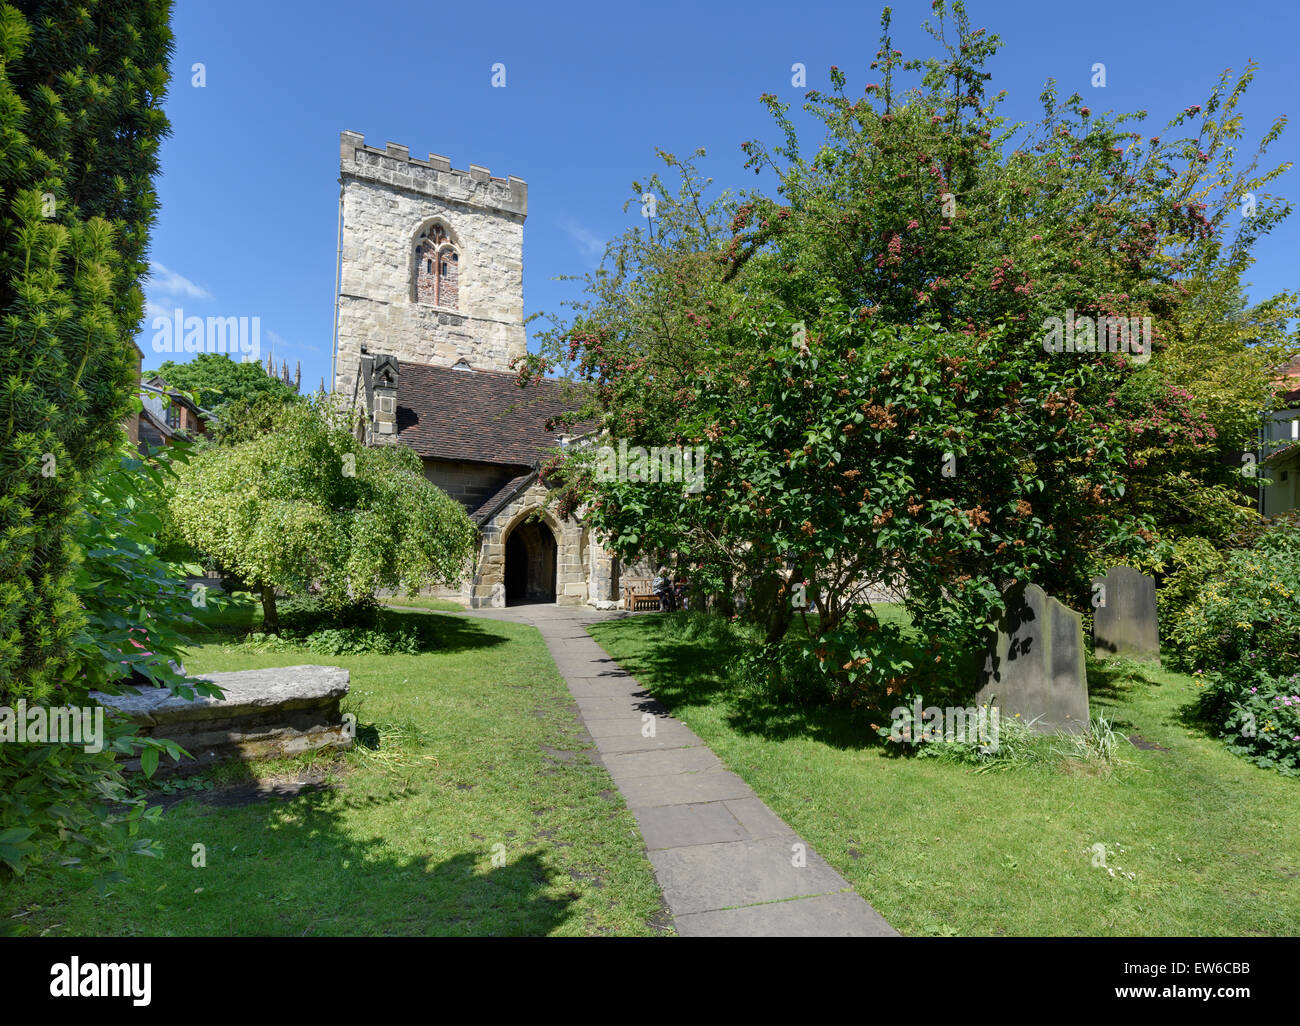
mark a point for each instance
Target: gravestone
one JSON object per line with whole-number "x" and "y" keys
{"x": 1035, "y": 664}
{"x": 1124, "y": 621}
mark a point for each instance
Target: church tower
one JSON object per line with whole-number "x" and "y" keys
{"x": 430, "y": 262}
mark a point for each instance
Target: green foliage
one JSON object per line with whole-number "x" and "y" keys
{"x": 1015, "y": 745}
{"x": 136, "y": 606}
{"x": 1183, "y": 567}
{"x": 81, "y": 98}
{"x": 81, "y": 117}
{"x": 308, "y": 508}
{"x": 829, "y": 348}
{"x": 1258, "y": 716}
{"x": 60, "y": 804}
{"x": 869, "y": 454}
{"x": 340, "y": 641}
{"x": 243, "y": 420}
{"x": 1242, "y": 632}
{"x": 309, "y": 623}
{"x": 217, "y": 380}
{"x": 1247, "y": 619}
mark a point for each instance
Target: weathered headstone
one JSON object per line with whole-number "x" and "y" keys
{"x": 1035, "y": 665}
{"x": 1124, "y": 617}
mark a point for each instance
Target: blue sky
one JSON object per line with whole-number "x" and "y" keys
{"x": 249, "y": 183}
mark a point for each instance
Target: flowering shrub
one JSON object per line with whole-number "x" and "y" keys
{"x": 1246, "y": 620}
{"x": 1260, "y": 721}
{"x": 1242, "y": 632}
{"x": 863, "y": 358}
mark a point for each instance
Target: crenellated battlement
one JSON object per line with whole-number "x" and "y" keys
{"x": 434, "y": 177}
{"x": 460, "y": 298}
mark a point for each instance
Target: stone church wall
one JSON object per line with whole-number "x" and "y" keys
{"x": 388, "y": 199}
{"x": 468, "y": 483}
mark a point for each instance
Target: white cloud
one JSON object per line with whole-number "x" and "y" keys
{"x": 154, "y": 309}
{"x": 172, "y": 284}
{"x": 591, "y": 246}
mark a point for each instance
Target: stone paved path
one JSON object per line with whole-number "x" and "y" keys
{"x": 724, "y": 860}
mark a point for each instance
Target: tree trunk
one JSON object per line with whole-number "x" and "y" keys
{"x": 270, "y": 616}
{"x": 724, "y": 602}
{"x": 771, "y": 607}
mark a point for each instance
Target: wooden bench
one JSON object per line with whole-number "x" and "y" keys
{"x": 637, "y": 595}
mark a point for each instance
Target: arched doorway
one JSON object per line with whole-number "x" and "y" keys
{"x": 530, "y": 563}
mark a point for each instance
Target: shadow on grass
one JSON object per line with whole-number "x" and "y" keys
{"x": 298, "y": 867}
{"x": 444, "y": 632}
{"x": 1192, "y": 718}
{"x": 464, "y": 894}
{"x": 434, "y": 631}
{"x": 1113, "y": 680}
{"x": 682, "y": 670}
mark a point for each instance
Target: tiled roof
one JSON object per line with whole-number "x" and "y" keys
{"x": 1284, "y": 453}
{"x": 477, "y": 416}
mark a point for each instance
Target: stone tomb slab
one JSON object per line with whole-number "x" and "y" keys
{"x": 264, "y": 714}
{"x": 1035, "y": 664}
{"x": 1124, "y": 620}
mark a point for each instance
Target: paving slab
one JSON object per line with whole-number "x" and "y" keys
{"x": 829, "y": 915}
{"x": 727, "y": 865}
{"x": 682, "y": 788}
{"x": 613, "y": 706}
{"x": 634, "y": 726}
{"x": 584, "y": 690}
{"x": 708, "y": 877}
{"x": 665, "y": 762}
{"x": 758, "y": 819}
{"x": 620, "y": 743}
{"x": 674, "y": 826}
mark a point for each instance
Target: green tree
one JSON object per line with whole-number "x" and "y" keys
{"x": 81, "y": 93}
{"x": 920, "y": 212}
{"x": 307, "y": 507}
{"x": 59, "y": 800}
{"x": 217, "y": 380}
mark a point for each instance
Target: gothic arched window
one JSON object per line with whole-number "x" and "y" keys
{"x": 437, "y": 265}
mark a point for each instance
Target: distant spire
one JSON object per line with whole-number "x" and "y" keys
{"x": 297, "y": 376}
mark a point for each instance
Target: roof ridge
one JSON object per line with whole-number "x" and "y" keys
{"x": 485, "y": 370}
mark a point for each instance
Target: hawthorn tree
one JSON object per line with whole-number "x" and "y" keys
{"x": 921, "y": 216}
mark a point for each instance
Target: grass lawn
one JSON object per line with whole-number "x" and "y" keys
{"x": 423, "y": 602}
{"x": 1212, "y": 841}
{"x": 463, "y": 752}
